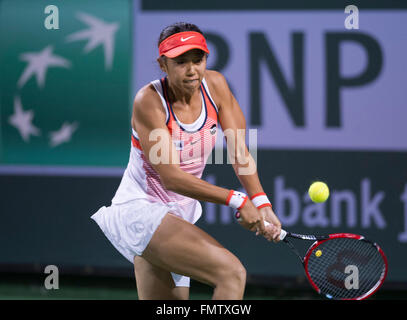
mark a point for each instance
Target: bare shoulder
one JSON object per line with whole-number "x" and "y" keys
{"x": 218, "y": 86}
{"x": 146, "y": 94}
{"x": 147, "y": 105}
{"x": 215, "y": 79}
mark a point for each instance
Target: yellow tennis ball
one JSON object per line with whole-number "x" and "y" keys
{"x": 318, "y": 253}
{"x": 318, "y": 192}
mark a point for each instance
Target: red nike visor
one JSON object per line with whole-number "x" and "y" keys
{"x": 182, "y": 42}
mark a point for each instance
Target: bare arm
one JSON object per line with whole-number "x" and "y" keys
{"x": 233, "y": 125}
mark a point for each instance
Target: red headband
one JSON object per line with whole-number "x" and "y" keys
{"x": 181, "y": 42}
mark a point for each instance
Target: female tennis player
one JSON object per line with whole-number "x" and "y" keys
{"x": 151, "y": 219}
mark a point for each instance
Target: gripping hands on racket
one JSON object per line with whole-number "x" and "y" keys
{"x": 266, "y": 223}
{"x": 249, "y": 218}
{"x": 272, "y": 225}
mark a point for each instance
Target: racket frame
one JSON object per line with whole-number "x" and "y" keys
{"x": 318, "y": 240}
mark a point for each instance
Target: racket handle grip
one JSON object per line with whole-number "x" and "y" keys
{"x": 283, "y": 233}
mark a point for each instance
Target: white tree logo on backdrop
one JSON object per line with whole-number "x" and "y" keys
{"x": 22, "y": 121}
{"x": 99, "y": 33}
{"x": 38, "y": 63}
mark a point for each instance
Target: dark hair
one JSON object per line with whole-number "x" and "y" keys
{"x": 175, "y": 28}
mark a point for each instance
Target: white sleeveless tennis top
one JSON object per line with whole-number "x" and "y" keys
{"x": 194, "y": 142}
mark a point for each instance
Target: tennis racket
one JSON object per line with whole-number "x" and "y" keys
{"x": 341, "y": 266}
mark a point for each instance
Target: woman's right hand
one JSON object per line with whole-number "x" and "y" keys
{"x": 251, "y": 218}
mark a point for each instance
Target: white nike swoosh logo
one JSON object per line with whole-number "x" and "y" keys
{"x": 183, "y": 40}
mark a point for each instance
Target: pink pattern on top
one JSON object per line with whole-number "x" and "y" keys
{"x": 194, "y": 149}
{"x": 140, "y": 180}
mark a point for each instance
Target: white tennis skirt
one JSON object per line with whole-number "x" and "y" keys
{"x": 130, "y": 227}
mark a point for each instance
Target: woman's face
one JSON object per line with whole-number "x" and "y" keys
{"x": 186, "y": 71}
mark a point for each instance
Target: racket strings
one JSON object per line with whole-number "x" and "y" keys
{"x": 346, "y": 268}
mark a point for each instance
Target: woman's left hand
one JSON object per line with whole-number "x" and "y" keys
{"x": 273, "y": 230}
